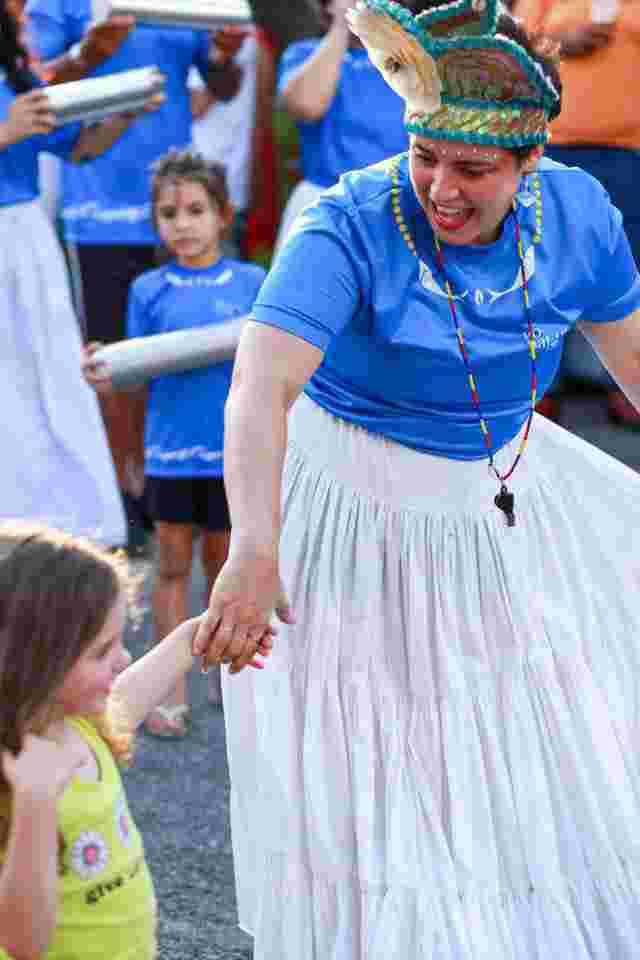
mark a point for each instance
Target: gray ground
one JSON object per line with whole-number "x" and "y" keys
{"x": 178, "y": 790}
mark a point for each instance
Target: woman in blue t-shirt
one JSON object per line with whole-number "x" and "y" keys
{"x": 56, "y": 465}
{"x": 181, "y": 455}
{"x": 440, "y": 759}
{"x": 347, "y": 117}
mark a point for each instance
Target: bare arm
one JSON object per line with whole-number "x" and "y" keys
{"x": 38, "y": 776}
{"x": 270, "y": 371}
{"x": 96, "y": 140}
{"x": 29, "y": 879}
{"x": 224, "y": 76}
{"x": 98, "y": 44}
{"x": 618, "y": 346}
{"x": 312, "y": 87}
{"x": 148, "y": 681}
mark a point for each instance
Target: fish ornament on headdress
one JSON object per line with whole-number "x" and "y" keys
{"x": 460, "y": 79}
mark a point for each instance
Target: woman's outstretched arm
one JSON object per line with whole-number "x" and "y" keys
{"x": 271, "y": 369}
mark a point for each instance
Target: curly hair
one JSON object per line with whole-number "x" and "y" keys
{"x": 191, "y": 167}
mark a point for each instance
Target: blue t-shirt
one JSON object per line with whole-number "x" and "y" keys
{"x": 392, "y": 362}
{"x": 19, "y": 162}
{"x": 363, "y": 125}
{"x": 184, "y": 424}
{"x": 107, "y": 201}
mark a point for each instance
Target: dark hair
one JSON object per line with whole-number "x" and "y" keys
{"x": 56, "y": 592}
{"x": 187, "y": 165}
{"x": 13, "y": 56}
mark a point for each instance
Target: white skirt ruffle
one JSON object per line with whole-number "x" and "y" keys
{"x": 56, "y": 465}
{"x": 440, "y": 760}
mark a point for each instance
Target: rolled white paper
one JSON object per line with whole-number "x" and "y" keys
{"x": 130, "y": 363}
{"x": 192, "y": 14}
{"x": 99, "y": 97}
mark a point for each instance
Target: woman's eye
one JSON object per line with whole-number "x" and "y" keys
{"x": 167, "y": 214}
{"x": 392, "y": 66}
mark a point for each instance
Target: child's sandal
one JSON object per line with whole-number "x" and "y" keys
{"x": 173, "y": 725}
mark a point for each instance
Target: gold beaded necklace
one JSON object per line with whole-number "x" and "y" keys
{"x": 504, "y": 500}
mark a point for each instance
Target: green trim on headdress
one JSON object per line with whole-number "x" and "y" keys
{"x": 461, "y": 80}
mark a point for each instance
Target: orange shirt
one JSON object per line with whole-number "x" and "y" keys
{"x": 600, "y": 102}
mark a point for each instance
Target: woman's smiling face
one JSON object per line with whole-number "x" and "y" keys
{"x": 466, "y": 191}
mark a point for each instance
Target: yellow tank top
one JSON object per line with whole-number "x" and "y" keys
{"x": 107, "y": 908}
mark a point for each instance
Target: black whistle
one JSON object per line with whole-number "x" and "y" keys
{"x": 505, "y": 501}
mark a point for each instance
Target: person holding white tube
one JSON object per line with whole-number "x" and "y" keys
{"x": 105, "y": 208}
{"x": 183, "y": 437}
{"x": 56, "y": 464}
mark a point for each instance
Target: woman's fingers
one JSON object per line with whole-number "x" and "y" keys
{"x": 248, "y": 654}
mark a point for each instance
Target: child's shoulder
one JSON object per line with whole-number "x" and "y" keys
{"x": 87, "y": 728}
{"x": 151, "y": 282}
{"x": 252, "y": 273}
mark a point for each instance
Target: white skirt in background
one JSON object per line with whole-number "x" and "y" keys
{"x": 56, "y": 466}
{"x": 440, "y": 760}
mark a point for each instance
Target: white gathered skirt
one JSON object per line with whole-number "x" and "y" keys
{"x": 56, "y": 466}
{"x": 440, "y": 760}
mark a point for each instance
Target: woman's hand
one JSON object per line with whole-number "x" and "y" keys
{"x": 245, "y": 595}
{"x": 41, "y": 769}
{"x": 29, "y": 114}
{"x": 93, "y": 371}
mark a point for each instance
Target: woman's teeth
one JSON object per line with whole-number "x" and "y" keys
{"x": 451, "y": 218}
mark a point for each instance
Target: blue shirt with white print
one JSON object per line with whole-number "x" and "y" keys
{"x": 107, "y": 201}
{"x": 392, "y": 362}
{"x": 364, "y": 123}
{"x": 184, "y": 426}
{"x": 19, "y": 162}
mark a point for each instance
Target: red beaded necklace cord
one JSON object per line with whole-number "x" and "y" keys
{"x": 504, "y": 500}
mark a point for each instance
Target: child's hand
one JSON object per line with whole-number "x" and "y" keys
{"x": 93, "y": 371}
{"x": 42, "y": 768}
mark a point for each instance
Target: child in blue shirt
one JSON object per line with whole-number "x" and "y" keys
{"x": 184, "y": 422}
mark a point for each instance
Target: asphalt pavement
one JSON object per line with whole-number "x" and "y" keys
{"x": 178, "y": 790}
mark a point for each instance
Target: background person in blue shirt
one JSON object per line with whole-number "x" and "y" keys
{"x": 330, "y": 87}
{"x": 56, "y": 464}
{"x": 106, "y": 205}
{"x": 183, "y": 432}
{"x": 448, "y": 721}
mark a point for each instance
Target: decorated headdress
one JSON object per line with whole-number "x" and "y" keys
{"x": 459, "y": 77}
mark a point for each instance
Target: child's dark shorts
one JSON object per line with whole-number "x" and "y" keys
{"x": 200, "y": 501}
